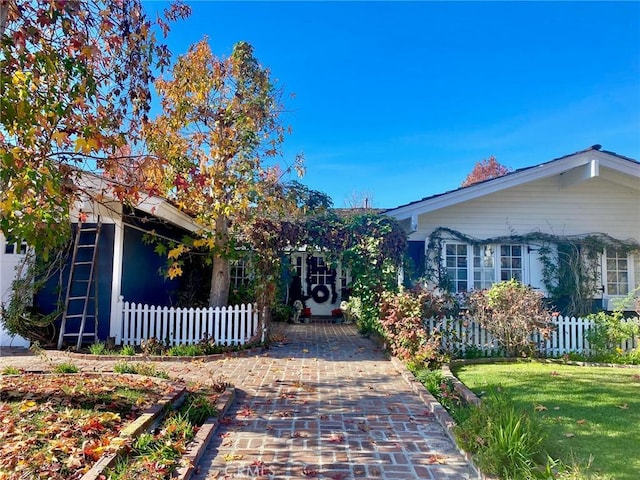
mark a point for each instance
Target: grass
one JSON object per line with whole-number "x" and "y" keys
{"x": 590, "y": 415}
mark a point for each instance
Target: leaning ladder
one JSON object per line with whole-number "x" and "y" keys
{"x": 82, "y": 285}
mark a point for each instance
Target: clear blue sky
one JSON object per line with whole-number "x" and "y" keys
{"x": 399, "y": 100}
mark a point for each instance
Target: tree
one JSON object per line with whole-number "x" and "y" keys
{"x": 485, "y": 170}
{"x": 220, "y": 124}
{"x": 74, "y": 89}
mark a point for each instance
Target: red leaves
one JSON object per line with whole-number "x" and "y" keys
{"x": 56, "y": 426}
{"x": 485, "y": 170}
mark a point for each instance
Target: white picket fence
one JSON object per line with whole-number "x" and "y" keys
{"x": 569, "y": 335}
{"x": 233, "y": 325}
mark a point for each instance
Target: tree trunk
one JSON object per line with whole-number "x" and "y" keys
{"x": 220, "y": 275}
{"x": 4, "y": 12}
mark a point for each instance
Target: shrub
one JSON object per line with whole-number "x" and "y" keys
{"x": 511, "y": 312}
{"x": 148, "y": 370}
{"x": 503, "y": 440}
{"x": 611, "y": 329}
{"x": 128, "y": 350}
{"x": 9, "y": 370}
{"x": 66, "y": 367}
{"x": 402, "y": 324}
{"x": 184, "y": 350}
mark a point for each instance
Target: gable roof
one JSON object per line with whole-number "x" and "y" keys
{"x": 573, "y": 168}
{"x": 100, "y": 186}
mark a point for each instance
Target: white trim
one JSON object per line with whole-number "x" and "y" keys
{"x": 627, "y": 169}
{"x": 497, "y": 264}
{"x": 115, "y": 320}
{"x": 580, "y": 174}
{"x": 632, "y": 281}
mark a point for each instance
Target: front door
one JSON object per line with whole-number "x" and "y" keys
{"x": 323, "y": 287}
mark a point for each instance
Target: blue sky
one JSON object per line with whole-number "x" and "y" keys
{"x": 398, "y": 100}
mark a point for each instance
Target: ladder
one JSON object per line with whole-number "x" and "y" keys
{"x": 82, "y": 285}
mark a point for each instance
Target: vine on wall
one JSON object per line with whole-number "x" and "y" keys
{"x": 570, "y": 263}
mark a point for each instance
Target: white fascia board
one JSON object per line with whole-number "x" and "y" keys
{"x": 545, "y": 170}
{"x": 151, "y": 204}
{"x": 162, "y": 209}
{"x": 580, "y": 174}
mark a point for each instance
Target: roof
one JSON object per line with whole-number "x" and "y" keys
{"x": 100, "y": 186}
{"x": 563, "y": 165}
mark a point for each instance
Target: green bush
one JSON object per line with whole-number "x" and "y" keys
{"x": 66, "y": 367}
{"x": 503, "y": 440}
{"x": 185, "y": 351}
{"x": 609, "y": 331}
{"x": 128, "y": 350}
{"x": 146, "y": 369}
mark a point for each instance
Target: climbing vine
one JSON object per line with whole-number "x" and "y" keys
{"x": 570, "y": 263}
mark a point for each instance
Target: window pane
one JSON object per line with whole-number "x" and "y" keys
{"x": 457, "y": 265}
{"x": 617, "y": 273}
{"x": 511, "y": 262}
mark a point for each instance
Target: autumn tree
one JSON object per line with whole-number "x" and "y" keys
{"x": 74, "y": 90}
{"x": 218, "y": 133}
{"x": 485, "y": 170}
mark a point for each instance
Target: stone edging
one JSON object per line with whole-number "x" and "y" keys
{"x": 141, "y": 424}
{"x": 200, "y": 442}
{"x": 157, "y": 358}
{"x": 438, "y": 411}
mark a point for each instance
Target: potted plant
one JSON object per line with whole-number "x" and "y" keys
{"x": 337, "y": 315}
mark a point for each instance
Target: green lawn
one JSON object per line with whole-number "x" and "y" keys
{"x": 586, "y": 411}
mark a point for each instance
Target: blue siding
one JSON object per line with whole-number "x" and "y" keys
{"x": 142, "y": 281}
{"x": 46, "y": 300}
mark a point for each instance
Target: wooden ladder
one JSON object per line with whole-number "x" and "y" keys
{"x": 82, "y": 285}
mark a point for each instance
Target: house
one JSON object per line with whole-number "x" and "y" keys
{"x": 577, "y": 216}
{"x": 11, "y": 257}
{"x": 125, "y": 265}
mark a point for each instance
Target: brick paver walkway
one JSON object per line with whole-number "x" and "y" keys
{"x": 324, "y": 404}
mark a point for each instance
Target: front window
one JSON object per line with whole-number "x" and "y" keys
{"x": 15, "y": 248}
{"x": 480, "y": 266}
{"x": 484, "y": 271}
{"x": 510, "y": 262}
{"x": 617, "y": 273}
{"x": 240, "y": 274}
{"x": 457, "y": 266}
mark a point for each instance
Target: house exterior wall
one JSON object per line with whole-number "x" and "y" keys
{"x": 10, "y": 258}
{"x": 47, "y": 299}
{"x": 592, "y": 206}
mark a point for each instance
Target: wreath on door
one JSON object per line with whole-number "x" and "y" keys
{"x": 320, "y": 293}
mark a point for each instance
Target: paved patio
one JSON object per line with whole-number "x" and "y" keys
{"x": 325, "y": 403}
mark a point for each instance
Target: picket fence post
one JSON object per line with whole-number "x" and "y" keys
{"x": 232, "y": 325}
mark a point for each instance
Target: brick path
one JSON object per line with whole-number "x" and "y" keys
{"x": 325, "y": 404}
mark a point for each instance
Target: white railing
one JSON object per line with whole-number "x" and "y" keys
{"x": 569, "y": 335}
{"x": 233, "y": 325}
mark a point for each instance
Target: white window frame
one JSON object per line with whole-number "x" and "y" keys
{"x": 239, "y": 272}
{"x": 632, "y": 271}
{"x": 471, "y": 267}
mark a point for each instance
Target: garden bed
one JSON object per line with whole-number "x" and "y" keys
{"x": 82, "y": 425}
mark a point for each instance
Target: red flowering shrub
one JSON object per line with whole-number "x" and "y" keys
{"x": 511, "y": 312}
{"x": 403, "y": 326}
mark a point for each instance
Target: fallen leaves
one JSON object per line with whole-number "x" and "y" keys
{"x": 57, "y": 426}
{"x": 437, "y": 459}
